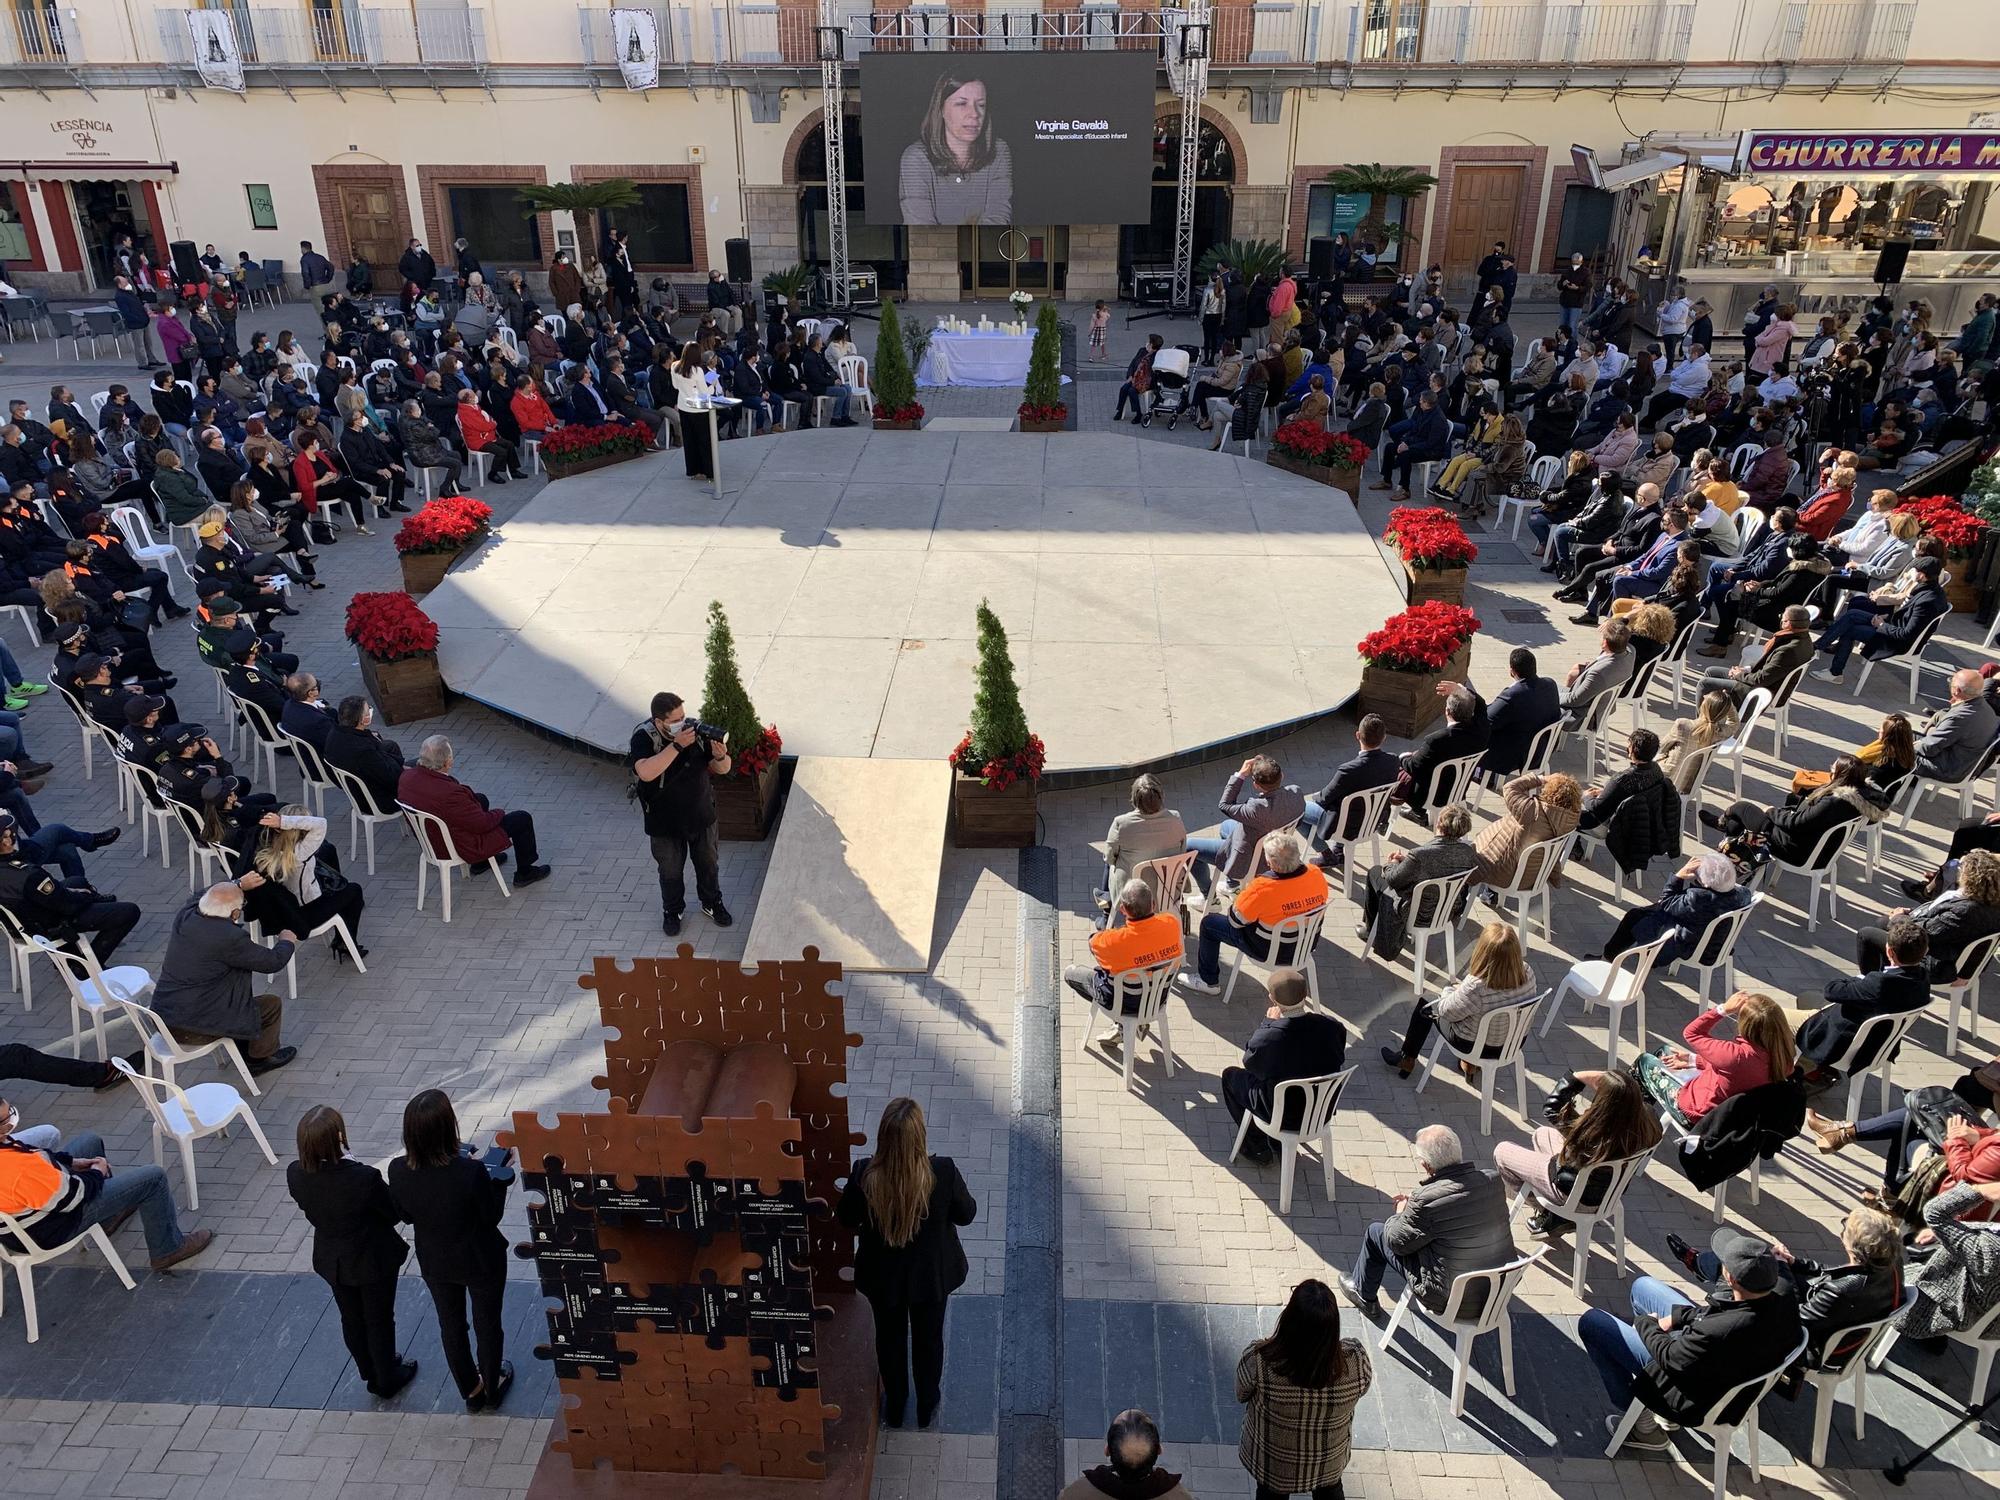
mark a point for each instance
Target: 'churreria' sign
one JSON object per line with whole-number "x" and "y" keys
{"x": 1872, "y": 151}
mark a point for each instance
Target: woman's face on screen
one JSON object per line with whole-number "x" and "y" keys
{"x": 965, "y": 114}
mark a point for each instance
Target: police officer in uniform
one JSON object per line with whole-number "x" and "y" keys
{"x": 248, "y": 680}
{"x": 139, "y": 742}
{"x": 672, "y": 762}
{"x": 59, "y": 909}
{"x": 221, "y": 617}
{"x": 215, "y": 564}
{"x": 104, "y": 698}
{"x": 190, "y": 759}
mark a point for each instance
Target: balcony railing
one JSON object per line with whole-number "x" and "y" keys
{"x": 1384, "y": 35}
{"x": 39, "y": 36}
{"x": 1845, "y": 31}
{"x": 600, "y": 44}
{"x": 424, "y": 36}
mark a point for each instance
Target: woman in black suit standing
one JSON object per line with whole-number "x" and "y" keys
{"x": 905, "y": 1206}
{"x": 356, "y": 1248}
{"x": 455, "y": 1204}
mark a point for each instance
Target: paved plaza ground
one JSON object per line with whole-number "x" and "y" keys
{"x": 227, "y": 1377}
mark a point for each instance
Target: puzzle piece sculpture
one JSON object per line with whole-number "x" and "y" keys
{"x": 685, "y": 1235}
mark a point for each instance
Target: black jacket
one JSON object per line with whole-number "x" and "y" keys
{"x": 1740, "y": 1129}
{"x": 818, "y": 372}
{"x": 1371, "y": 768}
{"x": 1292, "y": 1047}
{"x": 219, "y": 472}
{"x": 1640, "y": 813}
{"x": 1954, "y": 921}
{"x": 1718, "y": 1345}
{"x": 355, "y": 1242}
{"x": 932, "y": 1265}
{"x": 1636, "y": 533}
{"x": 455, "y": 1211}
{"x": 1851, "y": 1002}
{"x": 1448, "y": 741}
{"x": 418, "y": 266}
{"x": 1898, "y": 630}
{"x": 364, "y": 753}
{"x": 1521, "y": 711}
{"x": 1794, "y": 832}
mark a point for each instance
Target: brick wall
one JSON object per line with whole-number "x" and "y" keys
{"x": 1303, "y": 181}
{"x": 434, "y": 184}
{"x": 772, "y": 222}
{"x": 697, "y": 208}
{"x": 332, "y": 238}
{"x": 933, "y": 263}
{"x": 1257, "y": 213}
{"x": 1093, "y": 262}
{"x": 1534, "y": 162}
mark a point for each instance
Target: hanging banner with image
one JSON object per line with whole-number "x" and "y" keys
{"x": 217, "y": 58}
{"x": 636, "y": 36}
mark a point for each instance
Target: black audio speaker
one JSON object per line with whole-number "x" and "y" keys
{"x": 1319, "y": 258}
{"x": 1889, "y": 264}
{"x": 738, "y": 252}
{"x": 187, "y": 262}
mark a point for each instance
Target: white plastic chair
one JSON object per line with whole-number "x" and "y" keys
{"x": 1363, "y": 809}
{"x": 1452, "y": 778}
{"x": 1822, "y": 868}
{"x": 1197, "y": 903}
{"x": 190, "y": 1114}
{"x": 1677, "y": 1132}
{"x": 1715, "y": 949}
{"x": 1543, "y": 473}
{"x": 1632, "y": 691}
{"x": 1983, "y": 1338}
{"x": 421, "y": 825}
{"x": 1720, "y": 1433}
{"x": 1541, "y": 756}
{"x": 1781, "y": 708}
{"x": 1319, "y": 1098}
{"x": 154, "y": 807}
{"x": 1506, "y": 1028}
{"x": 1613, "y": 984}
{"x": 1827, "y": 1377}
{"x": 1433, "y": 907}
{"x": 312, "y": 771}
{"x": 336, "y": 925}
{"x": 1591, "y": 730}
{"x": 132, "y": 525}
{"x": 1964, "y": 788}
{"x": 1289, "y": 943}
{"x": 23, "y": 1254}
{"x": 263, "y": 740}
{"x": 1149, "y": 989}
{"x": 1166, "y": 877}
{"x": 362, "y": 813}
{"x": 854, "y": 374}
{"x": 94, "y": 990}
{"x": 1610, "y": 1179}
{"x": 1537, "y": 868}
{"x": 1500, "y": 1284}
{"x": 165, "y": 1052}
{"x": 207, "y": 863}
{"x": 21, "y": 952}
{"x": 1755, "y": 704}
{"x": 1675, "y": 656}
{"x": 1878, "y": 1037}
{"x": 1912, "y": 658}
{"x": 1691, "y": 799}
{"x": 87, "y": 727}
{"x": 1977, "y": 956}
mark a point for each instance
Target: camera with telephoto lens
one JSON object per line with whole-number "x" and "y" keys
{"x": 702, "y": 731}
{"x": 1564, "y": 1094}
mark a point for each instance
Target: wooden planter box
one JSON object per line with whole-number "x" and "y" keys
{"x": 1025, "y": 424}
{"x": 1408, "y": 701}
{"x": 1347, "y": 481}
{"x": 560, "y": 470}
{"x": 883, "y": 424}
{"x": 984, "y": 817}
{"x": 404, "y": 690}
{"x": 1425, "y": 584}
{"x": 1963, "y": 590}
{"x": 424, "y": 571}
{"x": 743, "y": 805}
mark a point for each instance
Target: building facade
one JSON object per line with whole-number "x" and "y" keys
{"x": 357, "y": 126}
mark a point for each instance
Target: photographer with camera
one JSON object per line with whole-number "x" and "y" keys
{"x": 672, "y": 757}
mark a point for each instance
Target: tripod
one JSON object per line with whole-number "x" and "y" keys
{"x": 1898, "y": 1472}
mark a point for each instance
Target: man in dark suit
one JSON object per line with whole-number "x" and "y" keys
{"x": 418, "y": 271}
{"x": 1525, "y": 707}
{"x": 1904, "y": 985}
{"x": 357, "y": 749}
{"x": 249, "y": 680}
{"x": 305, "y": 716}
{"x": 746, "y": 384}
{"x": 618, "y": 395}
{"x": 1465, "y": 731}
{"x": 1294, "y": 1041}
{"x": 1373, "y": 767}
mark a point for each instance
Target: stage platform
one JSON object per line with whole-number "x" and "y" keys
{"x": 1158, "y": 601}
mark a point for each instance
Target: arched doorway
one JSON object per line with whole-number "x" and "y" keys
{"x": 1153, "y": 244}
{"x": 884, "y": 247}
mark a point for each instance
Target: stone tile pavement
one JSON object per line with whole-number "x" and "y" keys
{"x": 488, "y": 1009}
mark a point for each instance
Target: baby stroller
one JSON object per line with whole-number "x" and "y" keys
{"x": 1170, "y": 386}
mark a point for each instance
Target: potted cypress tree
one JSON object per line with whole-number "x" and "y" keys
{"x": 1042, "y": 408}
{"x": 995, "y": 767}
{"x": 896, "y": 406}
{"x": 745, "y": 797}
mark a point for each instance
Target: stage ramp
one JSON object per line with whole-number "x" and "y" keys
{"x": 855, "y": 869}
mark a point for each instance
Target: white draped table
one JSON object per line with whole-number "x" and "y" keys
{"x": 983, "y": 357}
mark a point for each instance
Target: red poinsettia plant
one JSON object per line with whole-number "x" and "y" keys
{"x": 1948, "y": 521}
{"x": 444, "y": 524}
{"x": 1305, "y": 442}
{"x": 390, "y": 627}
{"x": 1002, "y": 771}
{"x": 1423, "y": 638}
{"x": 1028, "y": 411}
{"x": 910, "y": 411}
{"x": 1429, "y": 538}
{"x": 763, "y": 753}
{"x": 576, "y": 443}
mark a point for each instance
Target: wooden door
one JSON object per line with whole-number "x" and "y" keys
{"x": 1485, "y": 205}
{"x": 369, "y": 214}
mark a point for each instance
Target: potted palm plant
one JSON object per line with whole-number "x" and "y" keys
{"x": 1379, "y": 184}
{"x": 995, "y": 767}
{"x": 583, "y": 201}
{"x": 745, "y": 797}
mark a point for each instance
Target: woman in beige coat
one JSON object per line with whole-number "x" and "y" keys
{"x": 1680, "y": 751}
{"x": 1538, "y": 808}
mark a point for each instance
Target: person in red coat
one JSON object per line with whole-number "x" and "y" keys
{"x": 319, "y": 484}
{"x": 531, "y": 409}
{"x": 478, "y": 832}
{"x": 1820, "y": 516}
{"x": 482, "y": 435}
